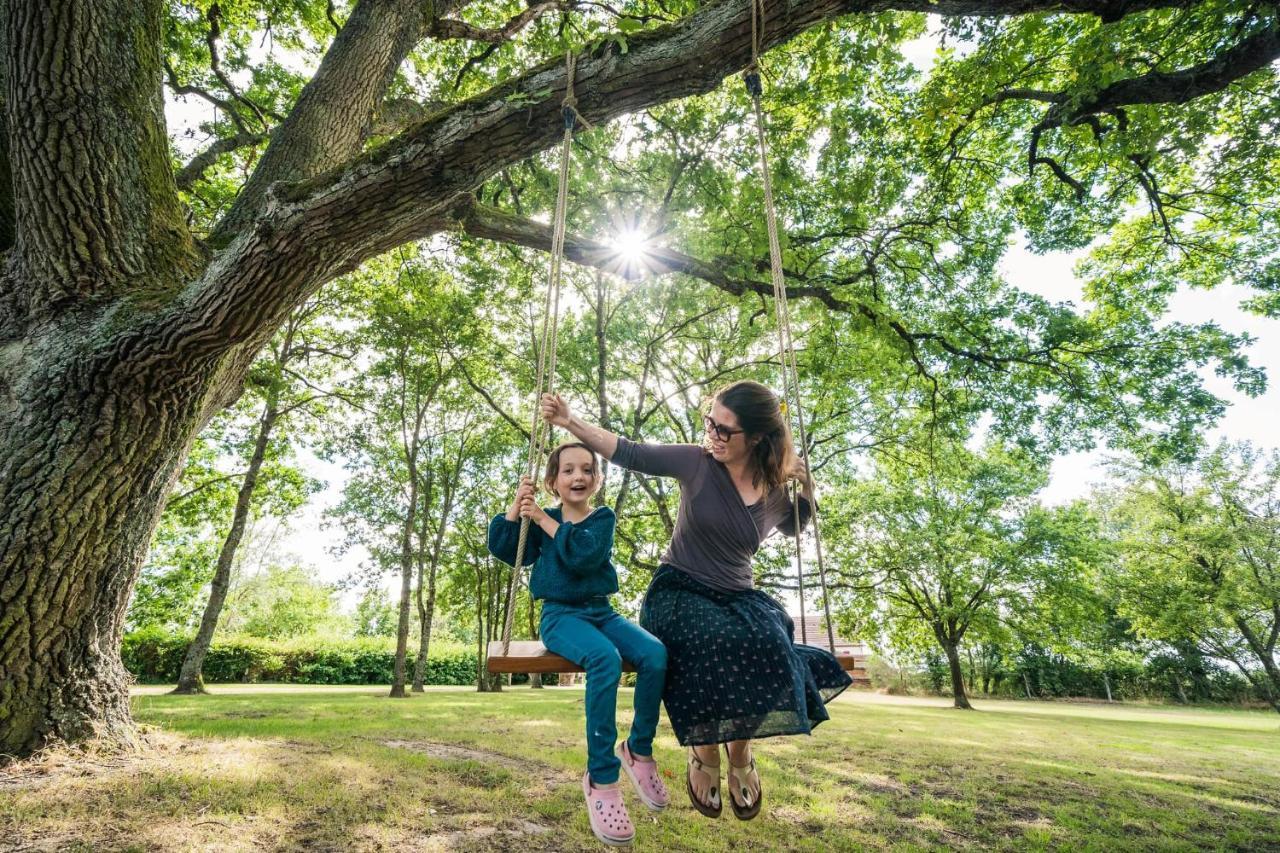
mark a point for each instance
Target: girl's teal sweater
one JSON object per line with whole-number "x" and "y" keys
{"x": 571, "y": 568}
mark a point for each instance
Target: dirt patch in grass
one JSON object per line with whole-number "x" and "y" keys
{"x": 520, "y": 836}
{"x": 545, "y": 777}
{"x": 158, "y": 813}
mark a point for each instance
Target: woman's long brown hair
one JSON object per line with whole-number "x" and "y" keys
{"x": 765, "y": 429}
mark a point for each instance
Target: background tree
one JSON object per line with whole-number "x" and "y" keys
{"x": 1201, "y": 559}
{"x": 403, "y": 490}
{"x": 188, "y": 537}
{"x": 287, "y": 394}
{"x": 959, "y": 543}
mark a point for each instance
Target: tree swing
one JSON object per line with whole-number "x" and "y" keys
{"x": 531, "y": 656}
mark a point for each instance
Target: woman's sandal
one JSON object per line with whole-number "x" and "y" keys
{"x": 738, "y": 787}
{"x": 712, "y": 770}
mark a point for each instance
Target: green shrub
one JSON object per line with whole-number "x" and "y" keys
{"x": 155, "y": 657}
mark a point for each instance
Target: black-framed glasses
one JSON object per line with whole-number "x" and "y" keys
{"x": 721, "y": 431}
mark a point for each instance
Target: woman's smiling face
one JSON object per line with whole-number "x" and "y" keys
{"x": 725, "y": 439}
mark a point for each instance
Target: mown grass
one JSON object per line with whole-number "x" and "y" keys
{"x": 253, "y": 768}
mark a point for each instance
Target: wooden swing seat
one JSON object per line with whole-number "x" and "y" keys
{"x": 530, "y": 656}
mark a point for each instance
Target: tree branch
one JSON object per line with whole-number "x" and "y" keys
{"x": 329, "y": 122}
{"x": 202, "y": 162}
{"x": 488, "y": 223}
{"x": 322, "y": 227}
{"x": 214, "y": 17}
{"x": 452, "y": 28}
{"x": 1158, "y": 87}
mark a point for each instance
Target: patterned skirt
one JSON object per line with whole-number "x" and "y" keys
{"x": 734, "y": 671}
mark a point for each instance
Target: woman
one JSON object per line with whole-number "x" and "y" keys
{"x": 734, "y": 672}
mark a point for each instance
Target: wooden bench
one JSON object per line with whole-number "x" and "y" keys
{"x": 530, "y": 656}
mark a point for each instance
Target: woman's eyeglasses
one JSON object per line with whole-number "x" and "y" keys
{"x": 720, "y": 431}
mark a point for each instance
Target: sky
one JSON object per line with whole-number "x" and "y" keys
{"x": 313, "y": 541}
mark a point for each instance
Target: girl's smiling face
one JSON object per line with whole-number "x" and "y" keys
{"x": 577, "y": 477}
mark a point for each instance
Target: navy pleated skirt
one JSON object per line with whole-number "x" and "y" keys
{"x": 734, "y": 671}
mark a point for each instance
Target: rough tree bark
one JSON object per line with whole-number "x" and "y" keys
{"x": 121, "y": 335}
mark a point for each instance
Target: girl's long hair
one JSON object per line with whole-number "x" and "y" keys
{"x": 760, "y": 417}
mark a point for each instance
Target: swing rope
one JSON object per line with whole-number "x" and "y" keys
{"x": 786, "y": 342}
{"x": 539, "y": 431}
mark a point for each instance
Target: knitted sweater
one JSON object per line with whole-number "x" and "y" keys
{"x": 571, "y": 568}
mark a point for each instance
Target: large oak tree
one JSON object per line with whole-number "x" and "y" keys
{"x": 123, "y": 329}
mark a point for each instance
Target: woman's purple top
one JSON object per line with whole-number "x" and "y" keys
{"x": 716, "y": 534}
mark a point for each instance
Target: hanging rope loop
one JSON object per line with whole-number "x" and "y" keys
{"x": 786, "y": 343}
{"x": 545, "y": 381}
{"x": 569, "y": 106}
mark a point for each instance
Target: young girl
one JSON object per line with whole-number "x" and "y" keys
{"x": 569, "y": 547}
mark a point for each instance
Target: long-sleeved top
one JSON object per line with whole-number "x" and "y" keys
{"x": 716, "y": 534}
{"x": 572, "y": 568}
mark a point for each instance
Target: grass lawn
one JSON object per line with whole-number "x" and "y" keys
{"x": 262, "y": 767}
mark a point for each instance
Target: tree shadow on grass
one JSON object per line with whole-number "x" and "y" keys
{"x": 252, "y": 794}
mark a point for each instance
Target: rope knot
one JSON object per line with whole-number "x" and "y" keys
{"x": 752, "y": 78}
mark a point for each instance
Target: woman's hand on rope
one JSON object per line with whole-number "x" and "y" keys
{"x": 523, "y": 492}
{"x": 555, "y": 410}
{"x": 800, "y": 473}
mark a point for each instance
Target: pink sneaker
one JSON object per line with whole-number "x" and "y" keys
{"x": 644, "y": 775}
{"x": 609, "y": 819}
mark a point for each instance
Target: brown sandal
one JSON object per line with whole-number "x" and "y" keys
{"x": 695, "y": 763}
{"x": 738, "y": 788}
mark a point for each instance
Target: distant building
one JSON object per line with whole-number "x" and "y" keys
{"x": 815, "y": 634}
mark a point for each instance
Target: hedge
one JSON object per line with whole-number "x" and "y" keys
{"x": 155, "y": 657}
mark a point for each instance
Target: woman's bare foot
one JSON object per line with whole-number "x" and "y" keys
{"x": 739, "y": 753}
{"x": 706, "y": 781}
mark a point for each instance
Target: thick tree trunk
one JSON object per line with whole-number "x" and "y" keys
{"x": 957, "y": 675}
{"x": 191, "y": 678}
{"x": 86, "y": 462}
{"x": 94, "y": 201}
